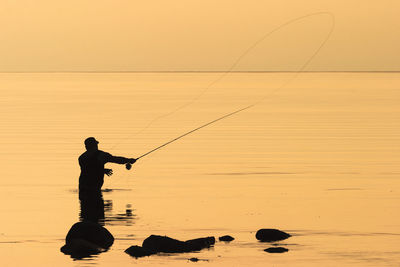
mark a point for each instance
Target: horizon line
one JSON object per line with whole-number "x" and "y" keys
{"x": 209, "y": 71}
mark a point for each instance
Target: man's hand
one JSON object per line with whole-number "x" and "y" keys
{"x": 109, "y": 172}
{"x": 129, "y": 164}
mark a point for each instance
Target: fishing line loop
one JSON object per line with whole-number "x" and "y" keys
{"x": 236, "y": 62}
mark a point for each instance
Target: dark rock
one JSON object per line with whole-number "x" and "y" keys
{"x": 226, "y": 238}
{"x": 200, "y": 243}
{"x": 80, "y": 248}
{"x": 169, "y": 245}
{"x": 137, "y": 251}
{"x": 85, "y": 239}
{"x": 269, "y": 235}
{"x": 194, "y": 259}
{"x": 92, "y": 232}
{"x": 163, "y": 244}
{"x": 276, "y": 250}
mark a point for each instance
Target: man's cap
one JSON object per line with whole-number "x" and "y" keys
{"x": 90, "y": 140}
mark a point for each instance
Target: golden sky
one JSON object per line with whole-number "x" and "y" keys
{"x": 129, "y": 35}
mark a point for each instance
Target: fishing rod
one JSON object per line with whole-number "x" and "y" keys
{"x": 194, "y": 130}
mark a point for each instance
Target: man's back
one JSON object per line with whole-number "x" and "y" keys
{"x": 92, "y": 169}
{"x": 92, "y": 166}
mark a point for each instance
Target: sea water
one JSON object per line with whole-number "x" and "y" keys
{"x": 318, "y": 158}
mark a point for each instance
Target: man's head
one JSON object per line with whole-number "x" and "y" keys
{"x": 91, "y": 143}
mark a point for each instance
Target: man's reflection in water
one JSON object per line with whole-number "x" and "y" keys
{"x": 92, "y": 206}
{"x": 95, "y": 209}
{"x": 91, "y": 179}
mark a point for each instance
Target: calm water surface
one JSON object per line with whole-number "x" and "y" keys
{"x": 318, "y": 158}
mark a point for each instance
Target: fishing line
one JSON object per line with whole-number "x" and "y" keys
{"x": 236, "y": 62}
{"x": 191, "y": 131}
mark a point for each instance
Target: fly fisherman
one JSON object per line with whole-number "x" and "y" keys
{"x": 92, "y": 166}
{"x": 92, "y": 178}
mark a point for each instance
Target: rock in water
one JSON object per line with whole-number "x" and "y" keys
{"x": 80, "y": 248}
{"x": 87, "y": 238}
{"x": 169, "y": 245}
{"x": 137, "y": 251}
{"x": 163, "y": 244}
{"x": 226, "y": 238}
{"x": 200, "y": 243}
{"x": 269, "y": 235}
{"x": 155, "y": 243}
{"x": 276, "y": 250}
{"x": 92, "y": 232}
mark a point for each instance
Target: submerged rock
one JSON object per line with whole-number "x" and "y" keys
{"x": 155, "y": 243}
{"x": 138, "y": 251}
{"x": 170, "y": 245}
{"x": 226, "y": 238}
{"x": 85, "y": 239}
{"x": 80, "y": 248}
{"x": 163, "y": 244}
{"x": 200, "y": 243}
{"x": 269, "y": 235}
{"x": 276, "y": 250}
{"x": 92, "y": 232}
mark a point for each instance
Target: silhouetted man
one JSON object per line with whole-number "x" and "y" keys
{"x": 92, "y": 178}
{"x": 92, "y": 166}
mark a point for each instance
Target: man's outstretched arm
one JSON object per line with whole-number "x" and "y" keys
{"x": 120, "y": 160}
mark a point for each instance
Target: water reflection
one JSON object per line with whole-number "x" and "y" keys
{"x": 94, "y": 208}
{"x": 127, "y": 218}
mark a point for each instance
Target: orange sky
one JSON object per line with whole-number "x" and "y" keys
{"x": 126, "y": 35}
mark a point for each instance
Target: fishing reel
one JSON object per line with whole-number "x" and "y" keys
{"x": 128, "y": 166}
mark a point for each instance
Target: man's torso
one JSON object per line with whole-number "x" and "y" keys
{"x": 92, "y": 170}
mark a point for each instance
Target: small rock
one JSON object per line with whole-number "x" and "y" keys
{"x": 163, "y": 244}
{"x": 226, "y": 238}
{"x": 194, "y": 259}
{"x": 85, "y": 239}
{"x": 92, "y": 232}
{"x": 169, "y": 245}
{"x": 80, "y": 248}
{"x": 276, "y": 250}
{"x": 270, "y": 235}
{"x": 137, "y": 251}
{"x": 200, "y": 243}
